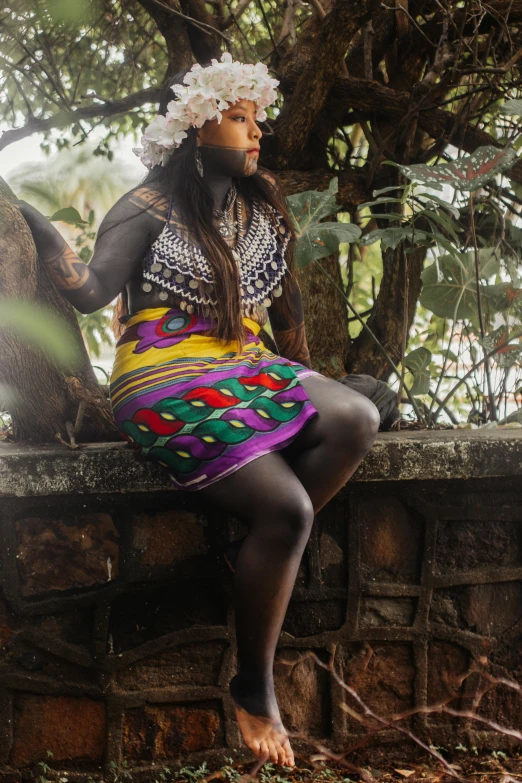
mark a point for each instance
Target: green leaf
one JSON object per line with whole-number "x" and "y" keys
{"x": 392, "y": 237}
{"x": 509, "y": 354}
{"x": 42, "y": 330}
{"x": 314, "y": 239}
{"x": 456, "y": 295}
{"x": 433, "y": 184}
{"x": 418, "y": 362}
{"x": 388, "y": 189}
{"x": 441, "y": 240}
{"x": 85, "y": 254}
{"x": 385, "y": 216}
{"x": 430, "y": 197}
{"x": 69, "y": 215}
{"x": 371, "y": 237}
{"x": 323, "y": 239}
{"x": 380, "y": 201}
{"x": 512, "y": 107}
{"x": 310, "y": 206}
{"x": 502, "y": 296}
{"x": 467, "y": 173}
{"x": 443, "y": 221}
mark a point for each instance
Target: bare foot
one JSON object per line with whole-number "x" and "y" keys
{"x": 264, "y": 735}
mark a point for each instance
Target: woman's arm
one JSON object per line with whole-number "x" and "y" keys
{"x": 122, "y": 241}
{"x": 289, "y": 332}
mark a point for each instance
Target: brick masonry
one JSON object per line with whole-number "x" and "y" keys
{"x": 116, "y": 626}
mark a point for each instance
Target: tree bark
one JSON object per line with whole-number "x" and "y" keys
{"x": 44, "y": 401}
{"x": 370, "y": 97}
{"x": 301, "y": 110}
{"x": 325, "y": 308}
{"x": 401, "y": 274}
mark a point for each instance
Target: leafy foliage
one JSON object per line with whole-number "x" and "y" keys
{"x": 469, "y": 172}
{"x": 315, "y": 239}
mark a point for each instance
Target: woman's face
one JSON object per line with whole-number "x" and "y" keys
{"x": 231, "y": 146}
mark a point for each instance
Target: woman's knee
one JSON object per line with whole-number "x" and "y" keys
{"x": 358, "y": 422}
{"x": 287, "y": 518}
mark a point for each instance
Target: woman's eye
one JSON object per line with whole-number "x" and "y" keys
{"x": 239, "y": 117}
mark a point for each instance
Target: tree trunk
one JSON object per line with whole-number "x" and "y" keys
{"x": 44, "y": 400}
{"x": 326, "y": 317}
{"x": 401, "y": 277}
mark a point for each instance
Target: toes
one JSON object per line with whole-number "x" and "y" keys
{"x": 272, "y": 749}
{"x": 290, "y": 761}
{"x": 281, "y": 755}
{"x": 264, "y": 753}
{"x": 280, "y": 738}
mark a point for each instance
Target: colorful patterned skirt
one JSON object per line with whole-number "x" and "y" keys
{"x": 194, "y": 404}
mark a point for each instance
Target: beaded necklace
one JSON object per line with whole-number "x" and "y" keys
{"x": 180, "y": 268}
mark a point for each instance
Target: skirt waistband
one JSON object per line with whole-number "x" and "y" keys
{"x": 198, "y": 322}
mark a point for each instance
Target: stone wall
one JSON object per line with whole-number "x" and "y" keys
{"x": 116, "y": 629}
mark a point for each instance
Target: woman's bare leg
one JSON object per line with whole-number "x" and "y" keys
{"x": 331, "y": 446}
{"x": 268, "y": 496}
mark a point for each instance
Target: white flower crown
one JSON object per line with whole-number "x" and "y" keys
{"x": 205, "y": 93}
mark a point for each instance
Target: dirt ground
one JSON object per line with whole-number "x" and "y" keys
{"x": 462, "y": 765}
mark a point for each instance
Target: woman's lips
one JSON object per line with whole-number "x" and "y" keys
{"x": 253, "y": 152}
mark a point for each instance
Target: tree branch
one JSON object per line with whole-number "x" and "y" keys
{"x": 64, "y": 118}
{"x": 300, "y": 112}
{"x": 370, "y": 97}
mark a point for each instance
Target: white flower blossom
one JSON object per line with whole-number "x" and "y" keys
{"x": 204, "y": 95}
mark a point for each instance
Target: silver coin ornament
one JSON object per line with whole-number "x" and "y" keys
{"x": 259, "y": 251}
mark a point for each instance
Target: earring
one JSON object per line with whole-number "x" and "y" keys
{"x": 199, "y": 163}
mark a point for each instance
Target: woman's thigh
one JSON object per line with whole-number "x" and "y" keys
{"x": 344, "y": 415}
{"x": 266, "y": 487}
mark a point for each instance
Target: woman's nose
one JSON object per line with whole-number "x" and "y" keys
{"x": 256, "y": 132}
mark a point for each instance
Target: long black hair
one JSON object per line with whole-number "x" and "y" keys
{"x": 195, "y": 202}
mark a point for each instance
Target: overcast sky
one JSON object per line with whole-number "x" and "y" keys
{"x": 29, "y": 150}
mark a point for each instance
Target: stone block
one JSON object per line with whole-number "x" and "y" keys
{"x": 73, "y": 627}
{"x": 168, "y": 536}
{"x": 169, "y": 731}
{"x": 491, "y": 609}
{"x": 485, "y": 609}
{"x": 308, "y": 618}
{"x": 302, "y": 693}
{"x": 71, "y": 728}
{"x": 141, "y": 616}
{"x": 382, "y": 674}
{"x": 500, "y": 702}
{"x": 6, "y": 624}
{"x": 59, "y": 554}
{"x": 387, "y": 611}
{"x": 332, "y": 560}
{"x": 391, "y": 540}
{"x": 189, "y": 664}
{"x": 447, "y": 665}
{"x": 465, "y": 544}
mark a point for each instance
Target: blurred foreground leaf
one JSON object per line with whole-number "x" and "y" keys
{"x": 41, "y": 329}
